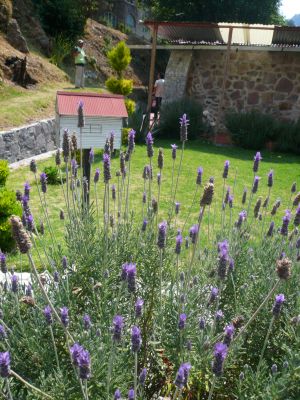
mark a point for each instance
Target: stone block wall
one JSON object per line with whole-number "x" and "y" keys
{"x": 27, "y": 141}
{"x": 267, "y": 81}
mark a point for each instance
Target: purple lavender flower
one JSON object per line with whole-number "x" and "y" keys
{"x": 298, "y": 243}
{"x": 136, "y": 339}
{"x": 294, "y": 188}
{"x": 270, "y": 178}
{"x": 4, "y": 364}
{"x": 241, "y": 219}
{"x": 80, "y": 123}
{"x": 91, "y": 156}
{"x": 226, "y": 199}
{"x": 113, "y": 192}
{"x": 28, "y": 291}
{"x": 106, "y": 168}
{"x": 27, "y": 188}
{"x": 271, "y": 229}
{"x": 142, "y": 377}
{"x": 158, "y": 179}
{"x": 97, "y": 175}
{"x": 124, "y": 272}
{"x": 64, "y": 316}
{"x": 122, "y": 163}
{"x": 32, "y": 166}
{"x": 112, "y": 141}
{"x": 87, "y": 323}
{"x": 64, "y": 262}
{"x": 244, "y": 198}
{"x": 182, "y": 321}
{"x": 3, "y": 263}
{"x": 14, "y": 283}
{"x": 2, "y": 332}
{"x": 154, "y": 205}
{"x": 219, "y": 315}
{"x": 18, "y": 195}
{"x": 184, "y": 122}
{"x": 160, "y": 159}
{"x": 84, "y": 363}
{"x": 226, "y": 169}
{"x": 223, "y": 248}
{"x": 230, "y": 201}
{"x": 118, "y": 324}
{"x": 162, "y": 233}
{"x": 211, "y": 179}
{"x": 266, "y": 202}
{"x": 213, "y": 295}
{"x": 131, "y": 394}
{"x": 131, "y": 136}
{"x": 220, "y": 353}
{"x": 61, "y": 215}
{"x": 201, "y": 324}
{"x": 117, "y": 395}
{"x": 182, "y": 375}
{"x": 279, "y": 299}
{"x": 149, "y": 142}
{"x": 56, "y": 276}
{"x": 75, "y": 351}
{"x": 177, "y": 207}
{"x": 144, "y": 226}
{"x": 43, "y": 180}
{"x": 131, "y": 275}
{"x": 255, "y": 184}
{"x": 231, "y": 265}
{"x": 178, "y": 244}
{"x": 229, "y": 332}
{"x": 194, "y": 233}
{"x": 285, "y": 223}
{"x": 297, "y": 217}
{"x": 257, "y": 159}
{"x": 139, "y": 308}
{"x": 199, "y": 176}
{"x": 48, "y": 315}
{"x": 274, "y": 369}
{"x": 144, "y": 198}
{"x": 174, "y": 151}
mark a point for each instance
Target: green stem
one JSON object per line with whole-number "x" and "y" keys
{"x": 35, "y": 389}
{"x": 135, "y": 373}
{"x": 212, "y": 388}
{"x": 54, "y": 346}
{"x": 265, "y": 344}
{"x": 8, "y": 389}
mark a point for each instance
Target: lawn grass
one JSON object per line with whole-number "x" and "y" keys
{"x": 211, "y": 158}
{"x": 21, "y": 106}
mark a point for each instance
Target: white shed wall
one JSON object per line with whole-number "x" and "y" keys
{"x": 95, "y": 131}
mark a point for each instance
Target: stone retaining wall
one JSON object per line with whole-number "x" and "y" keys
{"x": 267, "y": 81}
{"x": 27, "y": 141}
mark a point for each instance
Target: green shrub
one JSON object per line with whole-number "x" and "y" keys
{"x": 119, "y": 58}
{"x": 250, "y": 130}
{"x": 8, "y": 206}
{"x": 125, "y": 132}
{"x": 119, "y": 86}
{"x": 52, "y": 175}
{"x": 130, "y": 106}
{"x": 287, "y": 136}
{"x": 62, "y": 47}
{"x": 4, "y": 172}
{"x": 171, "y": 112}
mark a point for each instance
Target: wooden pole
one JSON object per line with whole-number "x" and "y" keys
{"x": 152, "y": 69}
{"x": 225, "y": 75}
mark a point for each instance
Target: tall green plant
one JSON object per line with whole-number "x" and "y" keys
{"x": 119, "y": 58}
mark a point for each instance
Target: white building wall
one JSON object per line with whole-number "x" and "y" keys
{"x": 94, "y": 133}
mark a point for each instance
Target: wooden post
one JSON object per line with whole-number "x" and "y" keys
{"x": 152, "y": 68}
{"x": 225, "y": 75}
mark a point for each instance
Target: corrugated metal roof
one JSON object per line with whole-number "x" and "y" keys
{"x": 218, "y": 34}
{"x": 99, "y": 105}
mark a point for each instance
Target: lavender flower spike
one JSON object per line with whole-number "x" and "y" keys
{"x": 229, "y": 332}
{"x": 87, "y": 323}
{"x": 279, "y": 300}
{"x": 75, "y": 351}
{"x": 177, "y": 207}
{"x": 2, "y": 332}
{"x": 3, "y": 263}
{"x": 257, "y": 159}
{"x": 270, "y": 178}
{"x": 139, "y": 308}
{"x": 194, "y": 232}
{"x": 84, "y": 363}
{"x": 14, "y": 283}
{"x": 97, "y": 175}
{"x": 199, "y": 176}
{"x": 64, "y": 316}
{"x": 106, "y": 168}
{"x": 118, "y": 324}
{"x": 244, "y": 198}
{"x": 162, "y": 233}
{"x": 271, "y": 229}
{"x": 174, "y": 151}
{"x": 91, "y": 156}
{"x": 297, "y": 217}
{"x": 131, "y": 394}
{"x": 143, "y": 376}
{"x": 255, "y": 184}
{"x": 184, "y": 122}
{"x": 285, "y": 223}
{"x": 149, "y": 142}
{"x": 27, "y": 188}
{"x": 80, "y": 123}
{"x": 178, "y": 244}
{"x": 117, "y": 395}
{"x": 48, "y": 315}
{"x": 182, "y": 321}
{"x": 136, "y": 340}
{"x": 43, "y": 180}
{"x": 220, "y": 353}
{"x": 131, "y": 136}
{"x": 4, "y": 364}
{"x": 213, "y": 295}
{"x": 131, "y": 275}
{"x": 226, "y": 169}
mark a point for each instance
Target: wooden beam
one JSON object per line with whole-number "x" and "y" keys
{"x": 225, "y": 75}
{"x": 213, "y": 47}
{"x": 152, "y": 67}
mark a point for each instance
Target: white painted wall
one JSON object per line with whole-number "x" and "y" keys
{"x": 95, "y": 131}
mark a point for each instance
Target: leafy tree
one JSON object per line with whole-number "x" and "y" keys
{"x": 248, "y": 11}
{"x": 119, "y": 58}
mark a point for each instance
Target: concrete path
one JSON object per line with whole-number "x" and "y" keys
{"x": 26, "y": 161}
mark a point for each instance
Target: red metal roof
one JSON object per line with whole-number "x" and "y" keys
{"x": 99, "y": 105}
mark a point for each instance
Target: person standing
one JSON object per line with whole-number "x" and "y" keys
{"x": 159, "y": 88}
{"x": 80, "y": 61}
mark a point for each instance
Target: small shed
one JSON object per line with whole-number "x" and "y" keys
{"x": 104, "y": 113}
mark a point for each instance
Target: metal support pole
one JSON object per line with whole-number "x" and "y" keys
{"x": 152, "y": 69}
